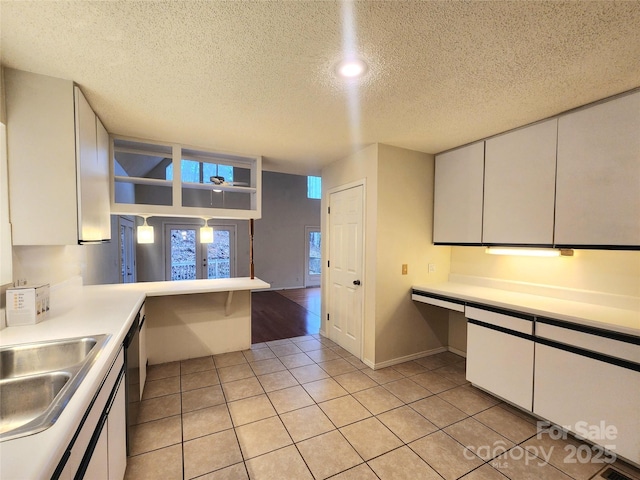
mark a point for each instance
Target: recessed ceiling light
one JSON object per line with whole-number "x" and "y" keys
{"x": 352, "y": 68}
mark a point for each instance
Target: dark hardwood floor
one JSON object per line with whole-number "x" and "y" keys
{"x": 284, "y": 314}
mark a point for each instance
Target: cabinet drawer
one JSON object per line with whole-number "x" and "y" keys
{"x": 516, "y": 321}
{"x": 617, "y": 345}
{"x": 438, "y": 300}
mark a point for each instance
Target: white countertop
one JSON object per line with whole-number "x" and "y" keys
{"x": 599, "y": 316}
{"x": 92, "y": 310}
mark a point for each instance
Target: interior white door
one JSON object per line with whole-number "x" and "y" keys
{"x": 345, "y": 268}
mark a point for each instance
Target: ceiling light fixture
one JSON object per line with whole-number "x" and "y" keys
{"x": 354, "y": 68}
{"x": 529, "y": 252}
{"x": 206, "y": 233}
{"x": 145, "y": 232}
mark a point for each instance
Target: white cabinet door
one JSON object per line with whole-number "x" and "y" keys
{"x": 598, "y": 180}
{"x": 58, "y": 184}
{"x": 98, "y": 467}
{"x": 92, "y": 147}
{"x": 457, "y": 216}
{"x": 6, "y": 266}
{"x": 117, "y": 434}
{"x": 578, "y": 392}
{"x": 501, "y": 364}
{"x": 519, "y": 186}
{"x": 103, "y": 204}
{"x": 42, "y": 159}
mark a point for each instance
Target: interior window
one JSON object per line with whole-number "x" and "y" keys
{"x": 314, "y": 187}
{"x": 201, "y": 172}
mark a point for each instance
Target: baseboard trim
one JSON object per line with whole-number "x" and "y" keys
{"x": 406, "y": 358}
{"x": 276, "y": 289}
{"x": 457, "y": 352}
{"x": 369, "y": 363}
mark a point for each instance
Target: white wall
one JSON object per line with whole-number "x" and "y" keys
{"x": 608, "y": 271}
{"x": 398, "y": 230}
{"x": 360, "y": 166}
{"x": 279, "y": 236}
{"x": 404, "y": 232}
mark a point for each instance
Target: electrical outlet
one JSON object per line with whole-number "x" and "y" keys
{"x": 432, "y": 268}
{"x": 404, "y": 268}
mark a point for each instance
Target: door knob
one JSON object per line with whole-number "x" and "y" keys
{"x": 356, "y": 282}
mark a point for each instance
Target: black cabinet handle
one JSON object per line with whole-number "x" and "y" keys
{"x": 356, "y": 282}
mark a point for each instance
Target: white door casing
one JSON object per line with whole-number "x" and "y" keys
{"x": 346, "y": 294}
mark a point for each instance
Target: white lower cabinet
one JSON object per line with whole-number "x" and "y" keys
{"x": 117, "y": 434}
{"x": 98, "y": 466}
{"x": 598, "y": 400}
{"x": 500, "y": 354}
{"x": 98, "y": 451}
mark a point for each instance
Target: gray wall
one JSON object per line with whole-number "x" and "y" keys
{"x": 279, "y": 236}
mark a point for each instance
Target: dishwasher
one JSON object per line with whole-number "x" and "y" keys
{"x": 132, "y": 366}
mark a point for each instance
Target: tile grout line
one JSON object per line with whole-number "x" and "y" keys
{"x": 349, "y": 394}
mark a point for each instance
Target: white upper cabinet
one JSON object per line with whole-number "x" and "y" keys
{"x": 6, "y": 266}
{"x": 457, "y": 216}
{"x": 519, "y": 186}
{"x": 45, "y": 147}
{"x": 92, "y": 147}
{"x": 598, "y": 180}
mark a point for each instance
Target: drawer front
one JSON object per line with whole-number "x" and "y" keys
{"x": 501, "y": 318}
{"x": 501, "y": 364}
{"x": 613, "y": 344}
{"x": 438, "y": 300}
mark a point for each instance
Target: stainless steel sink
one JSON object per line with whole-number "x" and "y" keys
{"x": 38, "y": 379}
{"x": 44, "y": 357}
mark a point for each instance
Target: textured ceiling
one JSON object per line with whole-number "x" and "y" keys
{"x": 258, "y": 77}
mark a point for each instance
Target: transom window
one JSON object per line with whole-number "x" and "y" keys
{"x": 314, "y": 187}
{"x": 200, "y": 172}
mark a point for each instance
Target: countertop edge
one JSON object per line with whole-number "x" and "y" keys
{"x": 563, "y": 310}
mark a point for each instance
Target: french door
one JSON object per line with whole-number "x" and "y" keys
{"x": 313, "y": 266}
{"x": 188, "y": 259}
{"x": 127, "y": 250}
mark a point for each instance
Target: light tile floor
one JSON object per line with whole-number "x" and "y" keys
{"x": 304, "y": 408}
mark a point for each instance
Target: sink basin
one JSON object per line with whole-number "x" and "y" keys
{"x": 24, "y": 399}
{"x": 37, "y": 358}
{"x": 38, "y": 379}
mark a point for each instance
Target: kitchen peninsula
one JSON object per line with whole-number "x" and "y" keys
{"x": 197, "y": 317}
